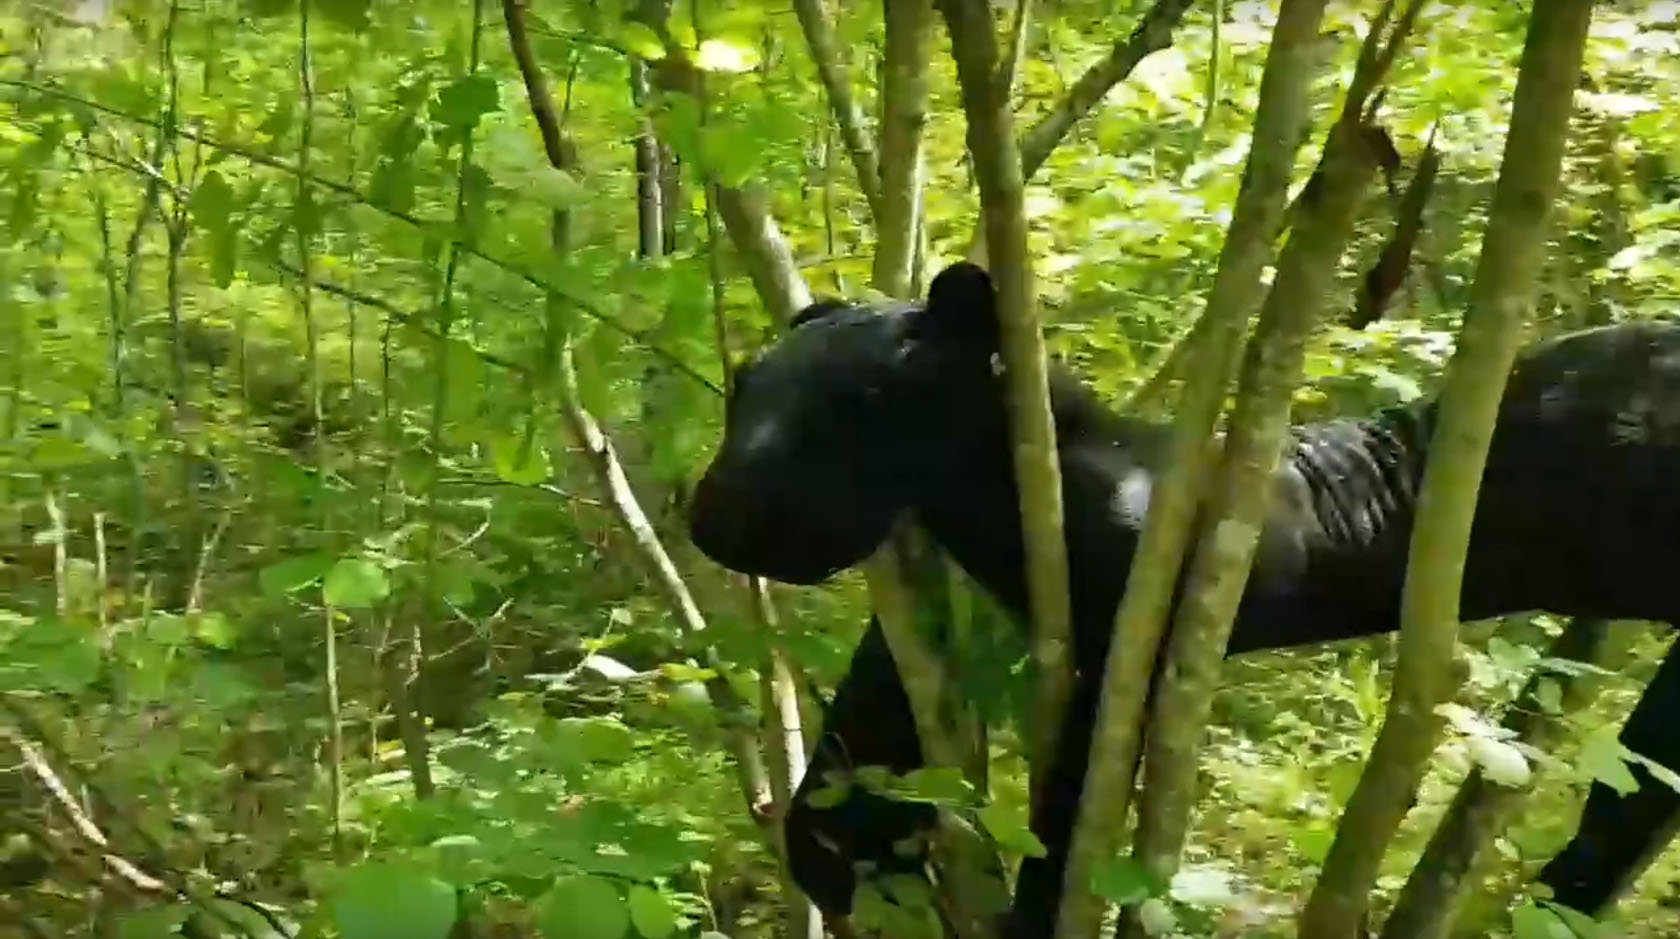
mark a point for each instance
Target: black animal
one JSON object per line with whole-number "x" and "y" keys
{"x": 860, "y": 413}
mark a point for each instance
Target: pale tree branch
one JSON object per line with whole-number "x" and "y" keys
{"x": 1501, "y": 301}
{"x": 825, "y": 55}
{"x": 997, "y": 169}
{"x": 1141, "y": 618}
{"x": 904, "y": 93}
{"x": 120, "y": 867}
{"x": 1152, "y": 34}
{"x": 1241, "y": 488}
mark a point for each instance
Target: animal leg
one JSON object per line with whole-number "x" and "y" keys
{"x": 1619, "y": 835}
{"x": 1038, "y": 886}
{"x": 869, "y": 723}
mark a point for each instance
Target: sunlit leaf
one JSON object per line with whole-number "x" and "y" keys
{"x": 353, "y": 583}
{"x": 1531, "y": 921}
{"x": 214, "y": 629}
{"x": 1601, "y": 758}
{"x": 520, "y": 460}
{"x": 1008, "y": 825}
{"x": 721, "y": 55}
{"x": 212, "y": 202}
{"x": 640, "y": 40}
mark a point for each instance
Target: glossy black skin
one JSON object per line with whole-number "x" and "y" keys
{"x": 860, "y": 413}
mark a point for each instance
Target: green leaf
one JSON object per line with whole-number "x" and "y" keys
{"x": 595, "y": 739}
{"x": 244, "y": 921}
{"x": 1008, "y": 826}
{"x": 293, "y": 573}
{"x": 458, "y": 858}
{"x": 550, "y": 187}
{"x": 1578, "y": 922}
{"x": 721, "y": 55}
{"x": 212, "y": 202}
{"x": 732, "y": 155}
{"x": 640, "y": 40}
{"x": 463, "y": 101}
{"x": 387, "y": 900}
{"x": 167, "y": 629}
{"x": 158, "y": 922}
{"x": 1124, "y": 881}
{"x": 940, "y": 785}
{"x": 355, "y": 583}
{"x": 1530, "y": 921}
{"x": 520, "y": 460}
{"x": 583, "y": 907}
{"x": 830, "y": 794}
{"x": 213, "y": 629}
{"x": 651, "y": 913}
{"x": 51, "y": 655}
{"x": 1601, "y": 758}
{"x": 393, "y": 185}
{"x": 224, "y": 255}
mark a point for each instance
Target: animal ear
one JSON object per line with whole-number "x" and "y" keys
{"x": 961, "y": 306}
{"x": 817, "y": 311}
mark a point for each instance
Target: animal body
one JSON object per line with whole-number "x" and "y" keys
{"x": 863, "y": 412}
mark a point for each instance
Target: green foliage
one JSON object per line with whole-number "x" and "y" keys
{"x": 585, "y": 907}
{"x": 380, "y": 900}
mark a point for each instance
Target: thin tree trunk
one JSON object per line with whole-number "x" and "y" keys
{"x": 335, "y": 723}
{"x": 1426, "y": 674}
{"x": 650, "y": 215}
{"x": 997, "y": 167}
{"x": 768, "y": 259}
{"x": 819, "y": 38}
{"x": 904, "y": 99}
{"x": 1241, "y": 490}
{"x": 1142, "y": 615}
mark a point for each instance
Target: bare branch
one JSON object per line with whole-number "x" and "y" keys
{"x": 1141, "y": 618}
{"x": 120, "y": 867}
{"x": 997, "y": 169}
{"x": 819, "y": 36}
{"x": 904, "y": 94}
{"x": 1152, "y": 34}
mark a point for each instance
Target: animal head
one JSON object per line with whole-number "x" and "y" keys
{"x": 828, "y": 432}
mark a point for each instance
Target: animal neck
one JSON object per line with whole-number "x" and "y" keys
{"x": 968, "y": 500}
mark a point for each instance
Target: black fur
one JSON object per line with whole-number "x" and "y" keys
{"x": 861, "y": 413}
